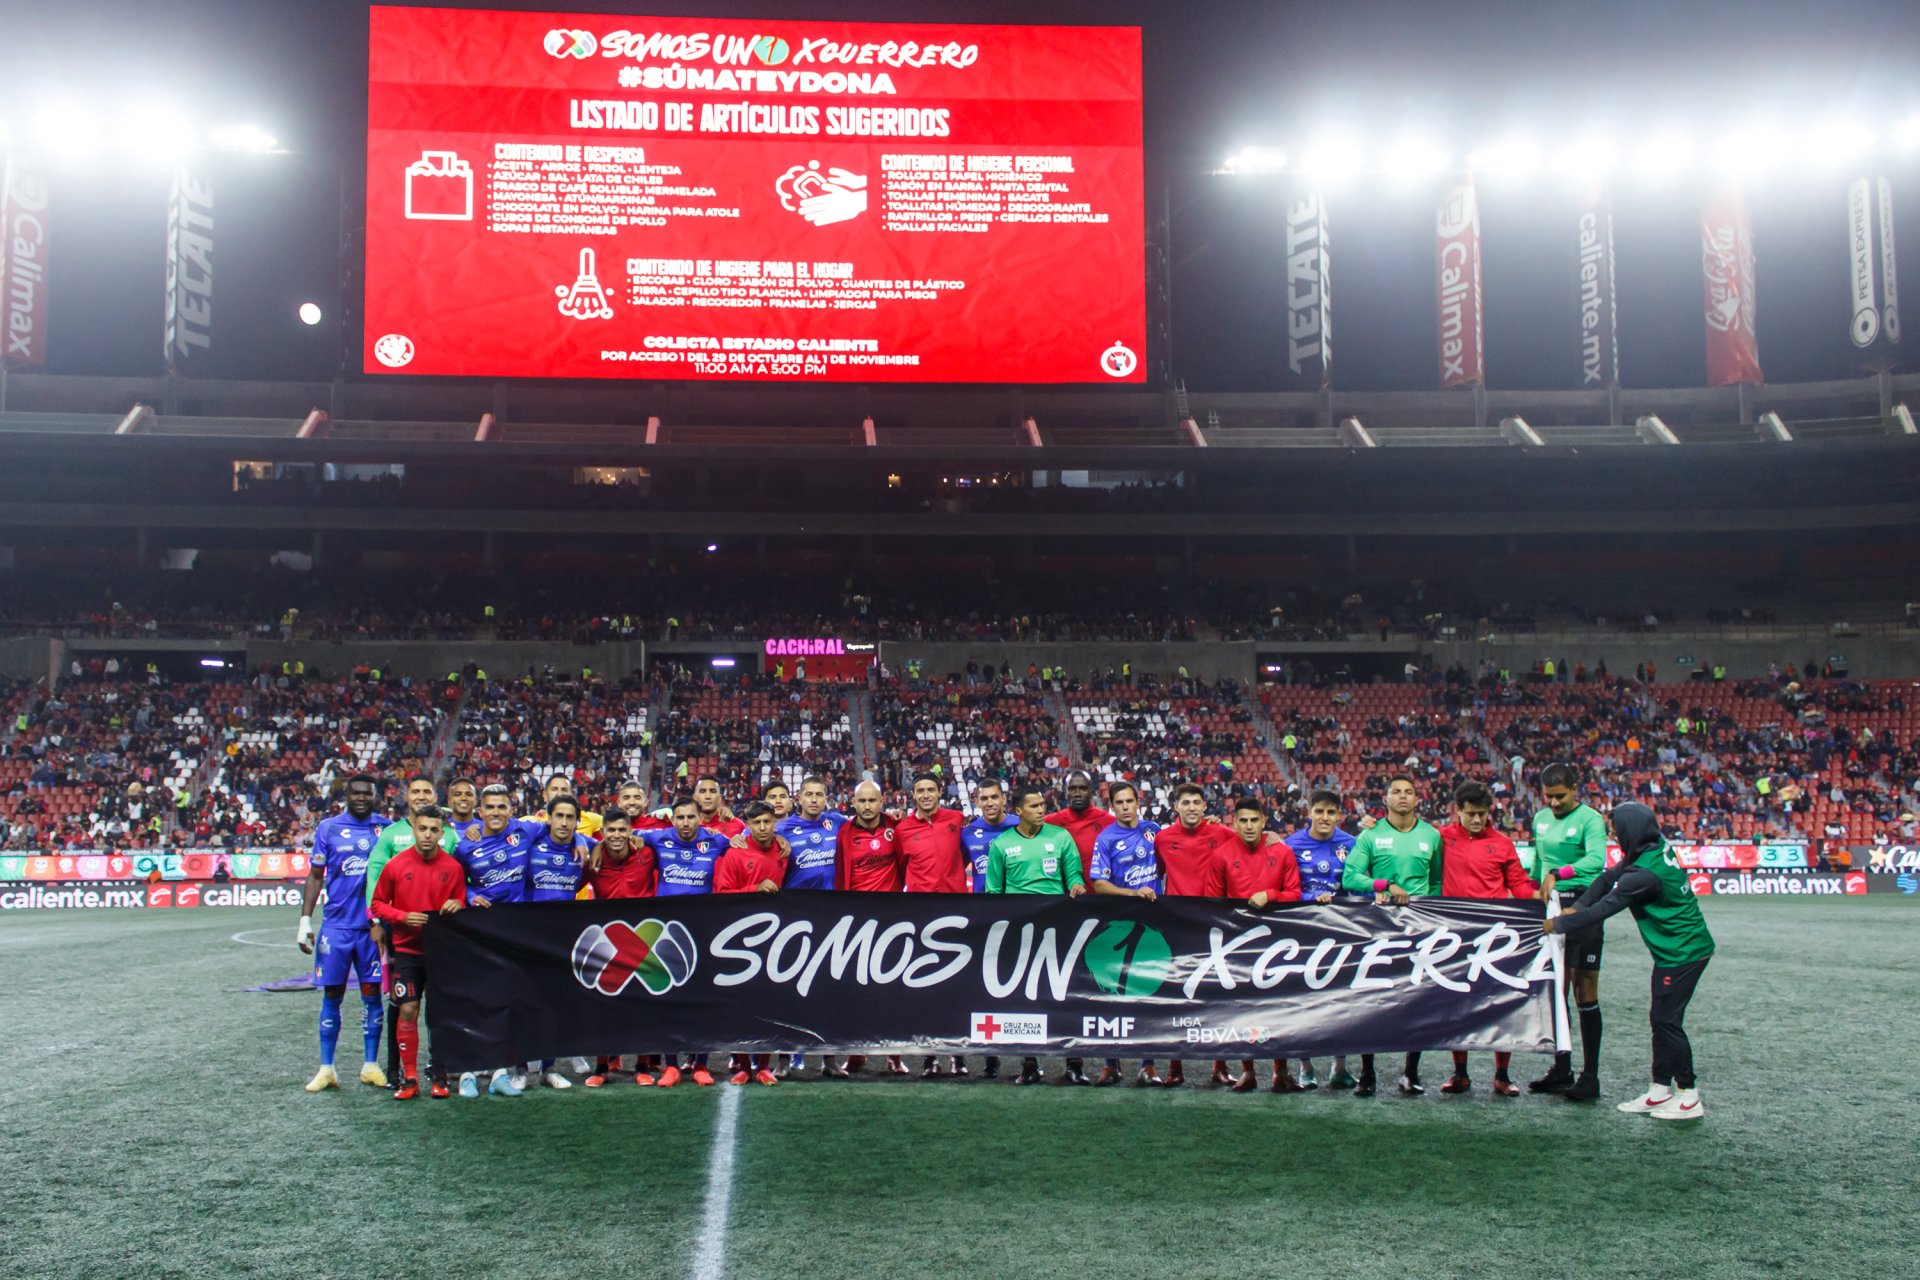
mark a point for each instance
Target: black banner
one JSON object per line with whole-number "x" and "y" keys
{"x": 955, "y": 973}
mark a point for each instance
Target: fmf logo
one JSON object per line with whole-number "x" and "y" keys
{"x": 1106, "y": 1028}
{"x": 658, "y": 956}
{"x": 562, "y": 43}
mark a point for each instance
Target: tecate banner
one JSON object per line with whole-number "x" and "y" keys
{"x": 586, "y": 195}
{"x": 959, "y": 973}
{"x": 1726, "y": 261}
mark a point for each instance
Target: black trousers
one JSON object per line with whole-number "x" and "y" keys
{"x": 1672, "y": 1051}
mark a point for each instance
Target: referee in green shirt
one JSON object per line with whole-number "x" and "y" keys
{"x": 1036, "y": 858}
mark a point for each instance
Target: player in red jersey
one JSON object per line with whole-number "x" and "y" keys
{"x": 414, "y": 885}
{"x": 1259, "y": 870}
{"x": 869, "y": 860}
{"x": 623, "y": 868}
{"x": 632, "y": 798}
{"x": 1479, "y": 862}
{"x": 757, "y": 863}
{"x": 1190, "y": 855}
{"x": 715, "y": 816}
{"x": 1080, "y": 819}
{"x": 935, "y": 863}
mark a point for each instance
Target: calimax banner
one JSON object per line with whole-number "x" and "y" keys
{"x": 969, "y": 973}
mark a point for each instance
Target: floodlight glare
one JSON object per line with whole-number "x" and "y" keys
{"x": 1412, "y": 158}
{"x": 1752, "y": 150}
{"x": 309, "y": 313}
{"x": 1514, "y": 157}
{"x": 243, "y": 137}
{"x": 155, "y": 135}
{"x": 1588, "y": 157}
{"x": 1256, "y": 160}
{"x": 65, "y": 131}
{"x": 1837, "y": 142}
{"x": 1906, "y": 135}
{"x": 1331, "y": 160}
{"x": 1664, "y": 154}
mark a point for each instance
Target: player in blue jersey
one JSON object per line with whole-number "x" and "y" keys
{"x": 556, "y": 868}
{"x": 813, "y": 832}
{"x": 1124, "y": 864}
{"x": 1321, "y": 850}
{"x": 686, "y": 852}
{"x": 341, "y": 844}
{"x": 496, "y": 861}
{"x": 990, "y": 820}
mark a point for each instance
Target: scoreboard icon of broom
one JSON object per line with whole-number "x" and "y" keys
{"x": 585, "y": 299}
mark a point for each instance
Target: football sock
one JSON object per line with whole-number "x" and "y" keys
{"x": 372, "y": 1025}
{"x": 1501, "y": 1061}
{"x": 1590, "y": 1038}
{"x": 1460, "y": 1062}
{"x": 408, "y": 1038}
{"x": 329, "y": 1027}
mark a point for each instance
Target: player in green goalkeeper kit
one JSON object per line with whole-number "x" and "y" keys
{"x": 1650, "y": 882}
{"x": 1396, "y": 861}
{"x": 1036, "y": 858}
{"x": 1569, "y": 853}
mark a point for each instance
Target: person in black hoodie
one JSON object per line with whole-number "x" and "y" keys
{"x": 1650, "y": 882}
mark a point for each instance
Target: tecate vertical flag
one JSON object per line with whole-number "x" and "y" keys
{"x": 1726, "y": 261}
{"x": 189, "y": 327}
{"x": 1599, "y": 326}
{"x": 24, "y": 227}
{"x": 1309, "y": 331}
{"x": 1457, "y": 259}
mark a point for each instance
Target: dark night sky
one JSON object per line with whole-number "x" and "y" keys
{"x": 1219, "y": 75}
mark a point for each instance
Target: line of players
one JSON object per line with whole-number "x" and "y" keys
{"x": 392, "y": 872}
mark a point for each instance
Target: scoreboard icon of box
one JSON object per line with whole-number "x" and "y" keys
{"x": 440, "y": 188}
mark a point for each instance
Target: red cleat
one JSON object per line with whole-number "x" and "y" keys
{"x": 738, "y": 1077}
{"x": 856, "y": 1063}
{"x": 439, "y": 1090}
{"x": 594, "y": 1081}
{"x": 1176, "y": 1077}
{"x": 1505, "y": 1089}
{"x": 764, "y": 1076}
{"x": 1458, "y": 1084}
{"x": 643, "y": 1079}
{"x": 407, "y": 1092}
{"x": 1246, "y": 1083}
{"x": 1220, "y": 1075}
{"x": 702, "y": 1077}
{"x": 896, "y": 1067}
{"x": 668, "y": 1078}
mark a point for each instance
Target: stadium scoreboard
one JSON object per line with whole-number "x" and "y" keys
{"x": 576, "y": 195}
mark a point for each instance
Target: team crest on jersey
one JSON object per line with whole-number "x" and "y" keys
{"x": 363, "y": 844}
{"x": 513, "y": 840}
{"x": 888, "y": 833}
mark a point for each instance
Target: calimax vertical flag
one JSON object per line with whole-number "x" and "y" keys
{"x": 1457, "y": 262}
{"x": 1309, "y": 331}
{"x": 1599, "y": 309}
{"x": 24, "y": 226}
{"x": 1726, "y": 261}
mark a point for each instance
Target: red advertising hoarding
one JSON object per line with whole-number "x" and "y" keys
{"x": 577, "y": 195}
{"x": 1726, "y": 260}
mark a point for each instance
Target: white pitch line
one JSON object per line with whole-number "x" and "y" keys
{"x": 243, "y": 938}
{"x": 711, "y": 1262}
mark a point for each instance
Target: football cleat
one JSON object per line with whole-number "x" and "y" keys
{"x": 1585, "y": 1089}
{"x": 1366, "y": 1086}
{"x": 834, "y": 1071}
{"x": 668, "y": 1078}
{"x": 1029, "y": 1072}
{"x": 764, "y": 1076}
{"x": 1220, "y": 1075}
{"x": 370, "y": 1073}
{"x": 1557, "y": 1080}
{"x": 439, "y": 1090}
{"x": 1109, "y": 1077}
{"x": 856, "y": 1063}
{"x": 554, "y": 1080}
{"x": 469, "y": 1087}
{"x": 594, "y": 1081}
{"x": 930, "y": 1069}
{"x": 503, "y": 1086}
{"x": 739, "y": 1077}
{"x": 896, "y": 1067}
{"x": 702, "y": 1077}
{"x": 1075, "y": 1075}
{"x": 1457, "y": 1084}
{"x": 1176, "y": 1077}
{"x": 1247, "y": 1083}
{"x": 1342, "y": 1079}
{"x": 643, "y": 1078}
{"x": 1505, "y": 1088}
{"x": 1283, "y": 1081}
{"x": 1308, "y": 1080}
{"x": 407, "y": 1092}
{"x": 958, "y": 1066}
{"x": 325, "y": 1078}
{"x": 1410, "y": 1088}
{"x": 1685, "y": 1104}
{"x": 1146, "y": 1079}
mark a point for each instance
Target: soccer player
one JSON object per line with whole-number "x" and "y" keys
{"x": 869, "y": 860}
{"x": 1396, "y": 860}
{"x": 557, "y": 861}
{"x": 1650, "y": 882}
{"x": 715, "y": 816}
{"x": 1125, "y": 865}
{"x": 1321, "y": 849}
{"x": 1190, "y": 858}
{"x": 814, "y": 834}
{"x": 341, "y": 844}
{"x": 1569, "y": 853}
{"x": 463, "y": 800}
{"x": 561, "y": 784}
{"x": 417, "y": 882}
{"x": 686, "y": 852}
{"x": 779, "y": 799}
{"x": 420, "y": 793}
{"x": 935, "y": 863}
{"x": 496, "y": 863}
{"x": 758, "y": 864}
{"x": 1036, "y": 857}
{"x": 1479, "y": 862}
{"x": 1261, "y": 871}
{"x": 626, "y": 869}
{"x": 976, "y": 839}
{"x": 1080, "y": 819}
{"x": 631, "y": 799}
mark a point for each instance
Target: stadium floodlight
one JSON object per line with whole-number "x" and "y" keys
{"x": 1256, "y": 160}
{"x": 1837, "y": 142}
{"x": 1511, "y": 158}
{"x": 1590, "y": 156}
{"x": 723, "y": 662}
{"x": 244, "y": 137}
{"x": 1906, "y": 134}
{"x": 65, "y": 131}
{"x": 1664, "y": 154}
{"x": 155, "y": 135}
{"x": 310, "y": 313}
{"x": 1412, "y": 158}
{"x": 213, "y": 662}
{"x": 1331, "y": 159}
{"x": 1752, "y": 150}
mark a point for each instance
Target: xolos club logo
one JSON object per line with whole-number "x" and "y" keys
{"x": 658, "y": 956}
{"x": 1128, "y": 959}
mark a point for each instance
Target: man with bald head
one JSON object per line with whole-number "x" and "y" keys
{"x": 1080, "y": 819}
{"x": 870, "y": 860}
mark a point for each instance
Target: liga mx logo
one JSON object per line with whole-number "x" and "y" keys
{"x": 562, "y": 43}
{"x": 658, "y": 956}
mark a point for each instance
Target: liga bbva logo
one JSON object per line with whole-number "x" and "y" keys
{"x": 658, "y": 956}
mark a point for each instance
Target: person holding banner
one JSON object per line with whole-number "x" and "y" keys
{"x": 686, "y": 853}
{"x": 1321, "y": 848}
{"x": 1650, "y": 882}
{"x": 1125, "y": 865}
{"x": 1569, "y": 853}
{"x": 557, "y": 861}
{"x": 869, "y": 860}
{"x": 1397, "y": 861}
{"x": 1260, "y": 870}
{"x": 339, "y": 863}
{"x": 934, "y": 862}
{"x": 814, "y": 834}
{"x": 1036, "y": 857}
{"x": 625, "y": 869}
{"x": 1190, "y": 856}
{"x": 416, "y": 883}
{"x": 990, "y": 821}
{"x": 756, "y": 863}
{"x": 1479, "y": 862}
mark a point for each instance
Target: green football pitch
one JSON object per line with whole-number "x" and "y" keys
{"x": 154, "y": 1125}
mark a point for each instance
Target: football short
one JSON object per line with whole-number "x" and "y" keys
{"x": 409, "y": 977}
{"x": 338, "y": 952}
{"x": 1583, "y": 945}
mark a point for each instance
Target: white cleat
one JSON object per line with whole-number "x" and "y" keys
{"x": 580, "y": 1066}
{"x": 554, "y": 1080}
{"x": 323, "y": 1079}
{"x": 1685, "y": 1104}
{"x": 370, "y": 1073}
{"x": 1656, "y": 1095}
{"x": 519, "y": 1080}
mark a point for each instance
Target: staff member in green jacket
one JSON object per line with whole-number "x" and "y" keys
{"x": 1650, "y": 882}
{"x": 1036, "y": 858}
{"x": 1396, "y": 861}
{"x": 1570, "y": 842}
